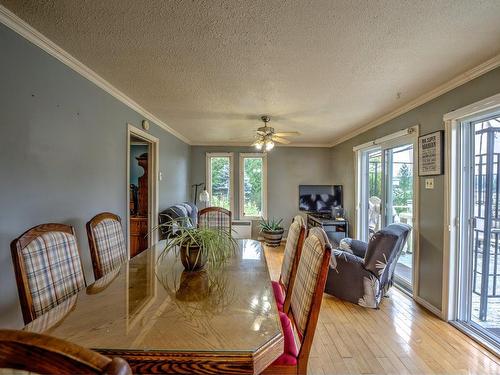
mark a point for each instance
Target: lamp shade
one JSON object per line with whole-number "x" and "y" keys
{"x": 204, "y": 196}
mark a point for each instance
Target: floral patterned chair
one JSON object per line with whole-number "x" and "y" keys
{"x": 364, "y": 271}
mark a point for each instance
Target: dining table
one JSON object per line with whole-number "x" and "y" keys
{"x": 163, "y": 319}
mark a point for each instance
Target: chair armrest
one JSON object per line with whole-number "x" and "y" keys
{"x": 347, "y": 257}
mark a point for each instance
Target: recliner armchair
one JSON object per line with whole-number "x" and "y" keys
{"x": 364, "y": 271}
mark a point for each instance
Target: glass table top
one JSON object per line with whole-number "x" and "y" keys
{"x": 150, "y": 303}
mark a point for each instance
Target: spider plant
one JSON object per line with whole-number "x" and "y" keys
{"x": 196, "y": 245}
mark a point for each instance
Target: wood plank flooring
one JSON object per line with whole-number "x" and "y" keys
{"x": 400, "y": 338}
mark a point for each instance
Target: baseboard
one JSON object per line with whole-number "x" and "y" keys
{"x": 431, "y": 308}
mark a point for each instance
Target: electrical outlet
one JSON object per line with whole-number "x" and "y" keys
{"x": 429, "y": 183}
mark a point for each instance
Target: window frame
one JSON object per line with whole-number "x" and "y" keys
{"x": 208, "y": 176}
{"x": 243, "y": 156}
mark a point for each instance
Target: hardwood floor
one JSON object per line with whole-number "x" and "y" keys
{"x": 400, "y": 338}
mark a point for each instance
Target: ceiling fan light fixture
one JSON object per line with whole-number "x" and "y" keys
{"x": 258, "y": 145}
{"x": 269, "y": 145}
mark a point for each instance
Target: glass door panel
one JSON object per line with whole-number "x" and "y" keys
{"x": 399, "y": 195}
{"x": 374, "y": 190}
{"x": 481, "y": 258}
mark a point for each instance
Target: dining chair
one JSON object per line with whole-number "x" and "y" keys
{"x": 42, "y": 354}
{"x": 283, "y": 287}
{"x": 305, "y": 304}
{"x": 47, "y": 266}
{"x": 215, "y": 217}
{"x": 106, "y": 242}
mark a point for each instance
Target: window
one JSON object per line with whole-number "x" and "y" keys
{"x": 253, "y": 185}
{"x": 220, "y": 179}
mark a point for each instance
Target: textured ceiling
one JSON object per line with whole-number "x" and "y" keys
{"x": 208, "y": 69}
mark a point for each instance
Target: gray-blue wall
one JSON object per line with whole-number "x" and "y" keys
{"x": 63, "y": 154}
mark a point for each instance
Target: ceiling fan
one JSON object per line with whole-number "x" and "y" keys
{"x": 265, "y": 136}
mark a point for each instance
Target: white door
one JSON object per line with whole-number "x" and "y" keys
{"x": 387, "y": 193}
{"x": 479, "y": 257}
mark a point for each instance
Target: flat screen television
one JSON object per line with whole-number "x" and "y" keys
{"x": 320, "y": 198}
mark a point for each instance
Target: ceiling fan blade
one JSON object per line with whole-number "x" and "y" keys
{"x": 275, "y": 138}
{"x": 286, "y": 134}
{"x": 260, "y": 132}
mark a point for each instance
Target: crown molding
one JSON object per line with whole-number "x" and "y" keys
{"x": 15, "y": 23}
{"x": 459, "y": 80}
{"x": 247, "y": 144}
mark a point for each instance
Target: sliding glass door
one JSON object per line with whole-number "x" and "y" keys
{"x": 479, "y": 257}
{"x": 386, "y": 193}
{"x": 399, "y": 197}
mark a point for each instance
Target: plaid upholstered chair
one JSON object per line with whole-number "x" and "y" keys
{"x": 42, "y": 354}
{"x": 283, "y": 287}
{"x": 305, "y": 304}
{"x": 215, "y": 217}
{"x": 106, "y": 242}
{"x": 43, "y": 251}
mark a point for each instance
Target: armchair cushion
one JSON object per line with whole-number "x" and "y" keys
{"x": 290, "y": 354}
{"x": 352, "y": 246}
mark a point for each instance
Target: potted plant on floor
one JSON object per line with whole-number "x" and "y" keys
{"x": 271, "y": 231}
{"x": 197, "y": 246}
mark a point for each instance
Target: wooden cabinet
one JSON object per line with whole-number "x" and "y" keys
{"x": 139, "y": 218}
{"x": 138, "y": 235}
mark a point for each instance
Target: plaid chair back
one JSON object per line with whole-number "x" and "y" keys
{"x": 215, "y": 218}
{"x": 292, "y": 241}
{"x": 53, "y": 270}
{"x": 110, "y": 245}
{"x": 306, "y": 280}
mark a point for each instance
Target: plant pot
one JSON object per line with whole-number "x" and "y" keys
{"x": 193, "y": 286}
{"x": 273, "y": 238}
{"x": 194, "y": 259}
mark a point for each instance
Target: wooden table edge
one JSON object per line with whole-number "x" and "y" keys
{"x": 227, "y": 362}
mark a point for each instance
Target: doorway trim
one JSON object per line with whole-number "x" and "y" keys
{"x": 153, "y": 173}
{"x": 452, "y": 197}
{"x": 453, "y": 214}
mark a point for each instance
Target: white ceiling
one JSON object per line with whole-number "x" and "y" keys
{"x": 209, "y": 69}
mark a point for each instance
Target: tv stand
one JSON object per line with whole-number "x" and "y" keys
{"x": 335, "y": 229}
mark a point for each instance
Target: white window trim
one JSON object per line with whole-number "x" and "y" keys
{"x": 208, "y": 176}
{"x": 244, "y": 155}
{"x": 452, "y": 197}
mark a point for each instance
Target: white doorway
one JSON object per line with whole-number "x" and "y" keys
{"x": 142, "y": 190}
{"x": 472, "y": 248}
{"x": 387, "y": 192}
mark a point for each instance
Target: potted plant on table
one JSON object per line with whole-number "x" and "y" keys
{"x": 272, "y": 231}
{"x": 197, "y": 246}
